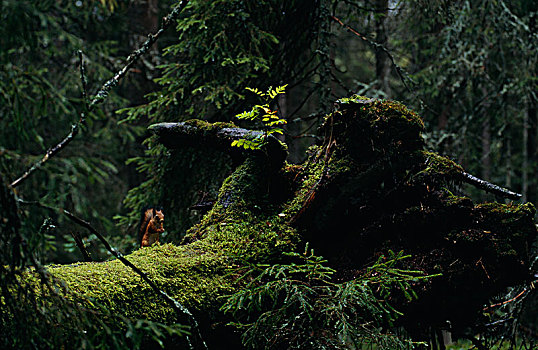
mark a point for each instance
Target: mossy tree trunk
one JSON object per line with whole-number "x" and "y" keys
{"x": 369, "y": 188}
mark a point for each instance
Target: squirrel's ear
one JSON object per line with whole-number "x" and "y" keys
{"x": 154, "y": 212}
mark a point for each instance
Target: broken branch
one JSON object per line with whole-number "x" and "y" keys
{"x": 220, "y": 135}
{"x": 489, "y": 187}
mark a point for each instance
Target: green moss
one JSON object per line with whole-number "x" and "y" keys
{"x": 499, "y": 231}
{"x": 352, "y": 99}
{"x": 195, "y": 280}
{"x": 510, "y": 209}
{"x": 452, "y": 200}
{"x": 375, "y": 111}
{"x": 204, "y": 126}
{"x": 234, "y": 232}
{"x": 309, "y": 179}
{"x": 439, "y": 166}
{"x": 196, "y": 274}
{"x": 384, "y": 112}
{"x": 513, "y": 220}
{"x": 292, "y": 169}
{"x": 238, "y": 197}
{"x": 369, "y": 129}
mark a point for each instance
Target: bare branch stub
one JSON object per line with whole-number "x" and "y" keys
{"x": 489, "y": 187}
{"x": 220, "y": 136}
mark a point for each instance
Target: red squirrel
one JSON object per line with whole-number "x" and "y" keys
{"x": 151, "y": 226}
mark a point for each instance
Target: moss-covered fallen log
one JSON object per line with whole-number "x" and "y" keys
{"x": 370, "y": 188}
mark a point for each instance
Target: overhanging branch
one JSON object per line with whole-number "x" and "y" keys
{"x": 103, "y": 93}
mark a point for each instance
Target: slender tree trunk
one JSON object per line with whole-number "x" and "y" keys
{"x": 525, "y": 155}
{"x": 10, "y": 224}
{"x": 508, "y": 157}
{"x": 533, "y": 122}
{"x": 532, "y": 152}
{"x": 486, "y": 147}
{"x": 382, "y": 66}
{"x": 442, "y": 119}
{"x": 145, "y": 19}
{"x": 486, "y": 137}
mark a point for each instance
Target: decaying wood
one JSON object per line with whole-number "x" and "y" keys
{"x": 221, "y": 135}
{"x": 369, "y": 189}
{"x": 489, "y": 187}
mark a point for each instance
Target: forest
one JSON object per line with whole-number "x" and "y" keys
{"x": 273, "y": 174}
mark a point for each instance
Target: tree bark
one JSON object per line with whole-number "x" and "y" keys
{"x": 486, "y": 137}
{"x": 532, "y": 150}
{"x": 382, "y": 62}
{"x": 525, "y": 156}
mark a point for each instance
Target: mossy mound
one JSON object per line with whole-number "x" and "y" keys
{"x": 193, "y": 279}
{"x": 373, "y": 188}
{"x": 369, "y": 188}
{"x": 372, "y": 129}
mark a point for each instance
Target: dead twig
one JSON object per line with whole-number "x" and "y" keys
{"x": 81, "y": 247}
{"x": 506, "y": 301}
{"x": 483, "y": 267}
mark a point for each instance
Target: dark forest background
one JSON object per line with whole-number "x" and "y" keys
{"x": 467, "y": 67}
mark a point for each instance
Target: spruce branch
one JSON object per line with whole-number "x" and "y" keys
{"x": 103, "y": 93}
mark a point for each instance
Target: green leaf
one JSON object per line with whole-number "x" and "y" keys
{"x": 256, "y": 91}
{"x": 277, "y": 130}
